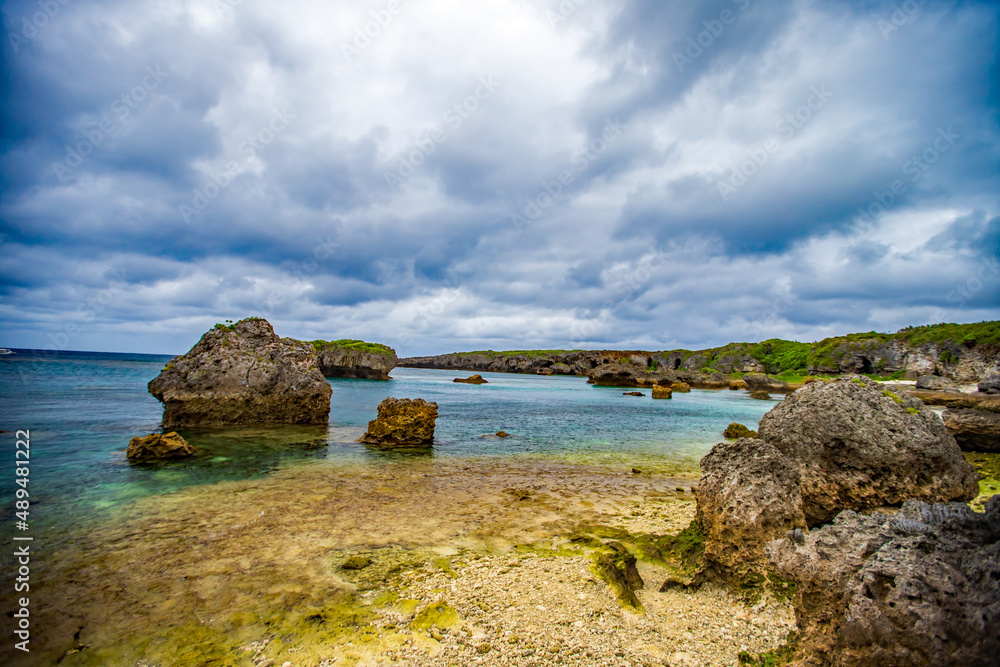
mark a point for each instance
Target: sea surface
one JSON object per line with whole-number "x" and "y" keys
{"x": 81, "y": 409}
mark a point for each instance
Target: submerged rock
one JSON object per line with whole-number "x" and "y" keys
{"x": 861, "y": 446}
{"x": 921, "y": 587}
{"x": 354, "y": 359}
{"x": 632, "y": 393}
{"x": 402, "y": 422}
{"x": 735, "y": 430}
{"x": 243, "y": 374}
{"x": 475, "y": 379}
{"x": 974, "y": 430}
{"x": 159, "y": 446}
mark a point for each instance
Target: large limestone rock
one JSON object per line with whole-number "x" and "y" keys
{"x": 354, "y": 359}
{"x": 159, "y": 446}
{"x": 243, "y": 374}
{"x": 974, "y": 430}
{"x": 748, "y": 495}
{"x": 758, "y": 382}
{"x": 921, "y": 587}
{"x": 402, "y": 422}
{"x": 860, "y": 446}
{"x": 474, "y": 379}
{"x": 662, "y": 392}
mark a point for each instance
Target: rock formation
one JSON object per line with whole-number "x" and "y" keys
{"x": 616, "y": 566}
{"x": 243, "y": 374}
{"x": 735, "y": 431}
{"x": 861, "y": 446}
{"x": 681, "y": 387}
{"x": 974, "y": 430}
{"x": 760, "y": 395}
{"x": 748, "y": 495}
{"x": 632, "y": 393}
{"x": 989, "y": 384}
{"x": 402, "y": 422}
{"x": 828, "y": 447}
{"x": 475, "y": 379}
{"x": 354, "y": 359}
{"x": 662, "y": 392}
{"x": 159, "y": 446}
{"x": 921, "y": 587}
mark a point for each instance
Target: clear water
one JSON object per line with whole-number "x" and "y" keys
{"x": 82, "y": 409}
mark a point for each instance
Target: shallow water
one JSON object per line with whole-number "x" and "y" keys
{"x": 82, "y": 408}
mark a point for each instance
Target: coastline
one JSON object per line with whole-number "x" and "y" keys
{"x": 193, "y": 576}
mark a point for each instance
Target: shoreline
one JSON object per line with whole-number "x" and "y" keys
{"x": 193, "y": 576}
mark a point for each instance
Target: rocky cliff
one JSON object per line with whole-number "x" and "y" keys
{"x": 354, "y": 359}
{"x": 243, "y": 374}
{"x": 960, "y": 352}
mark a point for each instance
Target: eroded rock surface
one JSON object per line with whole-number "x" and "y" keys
{"x": 243, "y": 374}
{"x": 354, "y": 359}
{"x": 159, "y": 446}
{"x": 860, "y": 446}
{"x": 974, "y": 430}
{"x": 403, "y": 422}
{"x": 921, "y": 587}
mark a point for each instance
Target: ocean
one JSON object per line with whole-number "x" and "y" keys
{"x": 82, "y": 408}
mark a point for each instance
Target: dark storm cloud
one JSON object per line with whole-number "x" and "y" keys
{"x": 454, "y": 184}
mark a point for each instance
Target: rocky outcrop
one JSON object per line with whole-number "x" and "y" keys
{"x": 632, "y": 393}
{"x": 748, "y": 495}
{"x": 735, "y": 431}
{"x": 662, "y": 392}
{"x": 828, "y": 447}
{"x": 860, "y": 446}
{"x": 243, "y": 374}
{"x": 989, "y": 384}
{"x": 159, "y": 446}
{"x": 935, "y": 383}
{"x": 475, "y": 379}
{"x": 354, "y": 359}
{"x": 402, "y": 422}
{"x": 974, "y": 430}
{"x": 681, "y": 387}
{"x": 921, "y": 587}
{"x": 760, "y": 382}
{"x": 760, "y": 395}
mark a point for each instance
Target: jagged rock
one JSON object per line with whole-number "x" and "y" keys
{"x": 475, "y": 379}
{"x": 354, "y": 359}
{"x": 974, "y": 430}
{"x": 759, "y": 382}
{"x": 615, "y": 565}
{"x": 681, "y": 387}
{"x": 632, "y": 393}
{"x": 736, "y": 385}
{"x": 921, "y": 587}
{"x": 402, "y": 422}
{"x": 736, "y": 431}
{"x": 159, "y": 446}
{"x": 662, "y": 392}
{"x": 861, "y": 446}
{"x": 243, "y": 374}
{"x": 760, "y": 395}
{"x": 545, "y": 371}
{"x": 747, "y": 496}
{"x": 990, "y": 384}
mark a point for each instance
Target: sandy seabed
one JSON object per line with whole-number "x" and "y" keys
{"x": 460, "y": 562}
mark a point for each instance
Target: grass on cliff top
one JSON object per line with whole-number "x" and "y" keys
{"x": 351, "y": 344}
{"x": 979, "y": 333}
{"x": 512, "y": 353}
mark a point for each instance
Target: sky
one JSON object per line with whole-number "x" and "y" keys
{"x": 440, "y": 175}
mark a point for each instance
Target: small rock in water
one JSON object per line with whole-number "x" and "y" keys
{"x": 356, "y": 563}
{"x": 636, "y": 471}
{"x": 632, "y": 393}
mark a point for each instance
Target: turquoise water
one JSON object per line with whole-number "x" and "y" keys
{"x": 82, "y": 409}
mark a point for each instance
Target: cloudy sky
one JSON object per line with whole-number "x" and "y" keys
{"x": 441, "y": 175}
